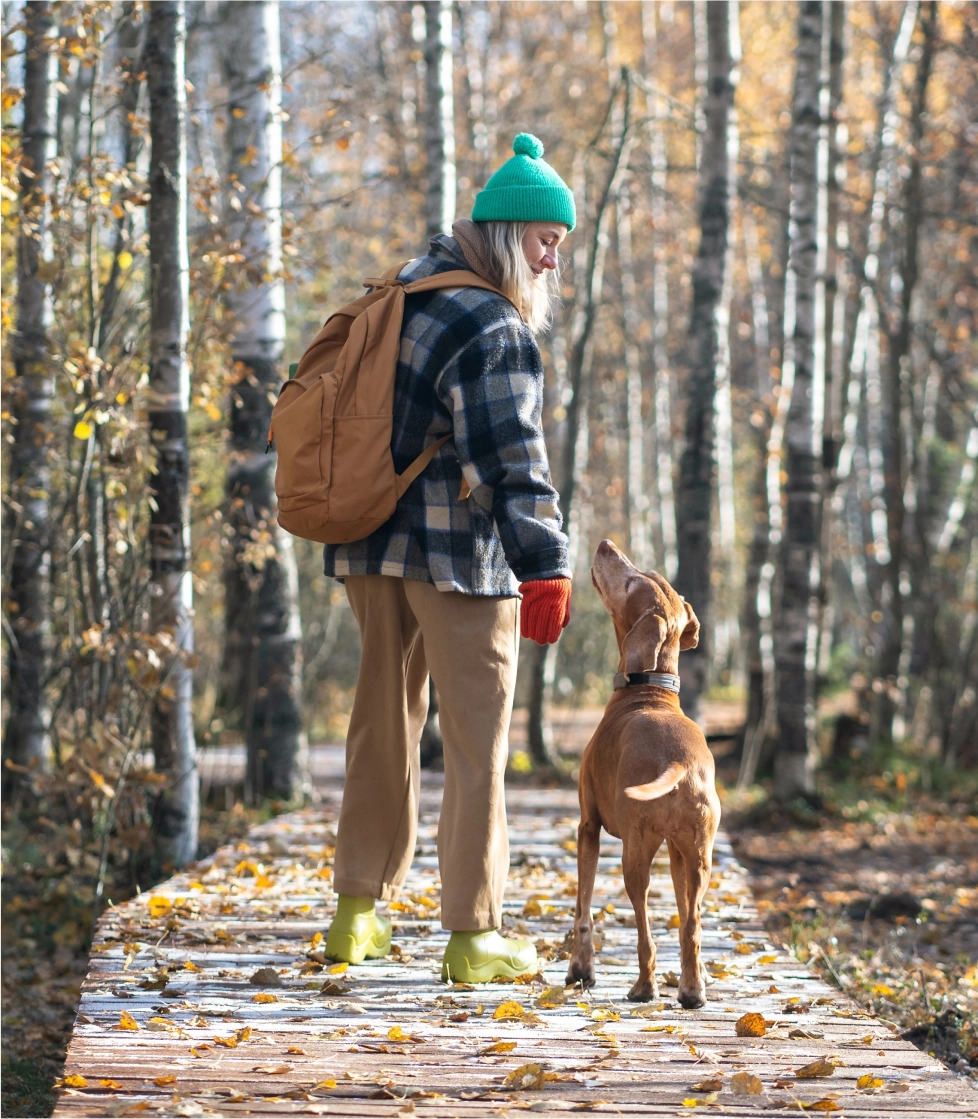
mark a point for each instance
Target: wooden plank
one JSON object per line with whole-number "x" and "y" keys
{"x": 398, "y": 1041}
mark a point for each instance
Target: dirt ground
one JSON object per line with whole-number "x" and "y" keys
{"x": 881, "y": 895}
{"x": 878, "y": 888}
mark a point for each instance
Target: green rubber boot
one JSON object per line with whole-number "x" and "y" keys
{"x": 479, "y": 957}
{"x": 357, "y": 932}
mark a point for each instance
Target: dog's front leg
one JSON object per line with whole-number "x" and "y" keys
{"x": 581, "y": 967}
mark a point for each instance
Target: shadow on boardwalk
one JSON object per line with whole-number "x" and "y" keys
{"x": 210, "y": 996}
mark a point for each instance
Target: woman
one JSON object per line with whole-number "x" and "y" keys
{"x": 436, "y": 589}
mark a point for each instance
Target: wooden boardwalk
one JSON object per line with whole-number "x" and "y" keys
{"x": 209, "y": 995}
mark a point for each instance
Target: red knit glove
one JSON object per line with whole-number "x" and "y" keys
{"x": 545, "y": 609}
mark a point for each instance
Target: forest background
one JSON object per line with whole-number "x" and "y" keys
{"x": 761, "y": 380}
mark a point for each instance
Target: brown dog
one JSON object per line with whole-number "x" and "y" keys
{"x": 647, "y": 775}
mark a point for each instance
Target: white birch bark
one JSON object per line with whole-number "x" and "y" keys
{"x": 590, "y": 282}
{"x": 262, "y": 665}
{"x": 167, "y": 399}
{"x": 637, "y": 499}
{"x": 664, "y": 466}
{"x": 439, "y": 118}
{"x": 726, "y": 629}
{"x": 26, "y": 737}
{"x": 796, "y": 628}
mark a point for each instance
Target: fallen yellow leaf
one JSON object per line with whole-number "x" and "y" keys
{"x": 526, "y": 1076}
{"x": 83, "y": 430}
{"x": 75, "y": 1081}
{"x": 673, "y": 922}
{"x": 551, "y": 998}
{"x": 709, "y": 1084}
{"x": 497, "y": 1047}
{"x": 159, "y": 906}
{"x": 867, "y": 1080}
{"x": 330, "y": 1083}
{"x": 273, "y": 1070}
{"x": 767, "y": 959}
{"x": 509, "y": 1010}
{"x": 189, "y": 965}
{"x": 395, "y": 1033}
{"x": 692, "y": 1101}
{"x": 751, "y": 1025}
{"x": 162, "y": 1081}
{"x": 881, "y": 989}
{"x": 746, "y": 1084}
{"x": 826, "y": 1103}
{"x": 127, "y": 1022}
{"x": 264, "y": 996}
{"x": 112, "y": 1085}
{"x": 816, "y": 1069}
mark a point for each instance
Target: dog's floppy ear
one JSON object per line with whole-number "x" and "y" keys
{"x": 640, "y": 646}
{"x": 690, "y": 637}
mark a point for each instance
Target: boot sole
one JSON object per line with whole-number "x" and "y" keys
{"x": 463, "y": 972}
{"x": 344, "y": 948}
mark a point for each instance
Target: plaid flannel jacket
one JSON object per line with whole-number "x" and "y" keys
{"x": 470, "y": 366}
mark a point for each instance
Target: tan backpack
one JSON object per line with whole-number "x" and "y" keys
{"x": 333, "y": 421}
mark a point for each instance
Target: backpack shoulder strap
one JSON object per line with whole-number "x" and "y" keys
{"x": 457, "y": 278}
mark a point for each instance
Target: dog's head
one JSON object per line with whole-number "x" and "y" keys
{"x": 652, "y": 622}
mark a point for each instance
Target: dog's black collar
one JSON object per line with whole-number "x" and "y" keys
{"x": 634, "y": 679}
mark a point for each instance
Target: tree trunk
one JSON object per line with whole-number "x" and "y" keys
{"x": 129, "y": 37}
{"x": 262, "y": 663}
{"x": 636, "y": 497}
{"x": 695, "y": 494}
{"x": 542, "y": 662}
{"x": 167, "y": 399}
{"x": 660, "y": 307}
{"x": 796, "y": 626}
{"x": 726, "y": 626}
{"x": 439, "y": 130}
{"x": 26, "y": 739}
{"x": 896, "y": 375}
{"x": 756, "y": 624}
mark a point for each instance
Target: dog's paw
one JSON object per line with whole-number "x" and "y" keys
{"x": 643, "y": 991}
{"x": 692, "y": 1000}
{"x": 582, "y": 974}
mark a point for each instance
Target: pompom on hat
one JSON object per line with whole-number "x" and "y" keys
{"x": 526, "y": 188}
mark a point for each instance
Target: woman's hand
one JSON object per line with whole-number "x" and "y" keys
{"x": 545, "y": 609}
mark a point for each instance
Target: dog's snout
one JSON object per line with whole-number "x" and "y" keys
{"x": 605, "y": 547}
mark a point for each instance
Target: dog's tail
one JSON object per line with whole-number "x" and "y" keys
{"x": 660, "y": 786}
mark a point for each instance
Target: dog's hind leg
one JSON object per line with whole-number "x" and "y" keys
{"x": 581, "y": 967}
{"x": 636, "y": 865}
{"x": 692, "y": 987}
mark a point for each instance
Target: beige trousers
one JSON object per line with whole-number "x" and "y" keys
{"x": 469, "y": 644}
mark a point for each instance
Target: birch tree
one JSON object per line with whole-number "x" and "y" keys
{"x": 26, "y": 739}
{"x": 660, "y": 302}
{"x": 167, "y": 399}
{"x": 898, "y": 632}
{"x": 635, "y": 489}
{"x": 579, "y": 361}
{"x": 796, "y": 628}
{"x": 439, "y": 128}
{"x": 262, "y": 662}
{"x": 695, "y": 492}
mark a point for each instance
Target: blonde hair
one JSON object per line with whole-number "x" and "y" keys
{"x": 533, "y": 295}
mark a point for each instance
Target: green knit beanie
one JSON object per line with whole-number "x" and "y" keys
{"x": 526, "y": 188}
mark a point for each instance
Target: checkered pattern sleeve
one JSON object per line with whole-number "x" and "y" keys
{"x": 493, "y": 387}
